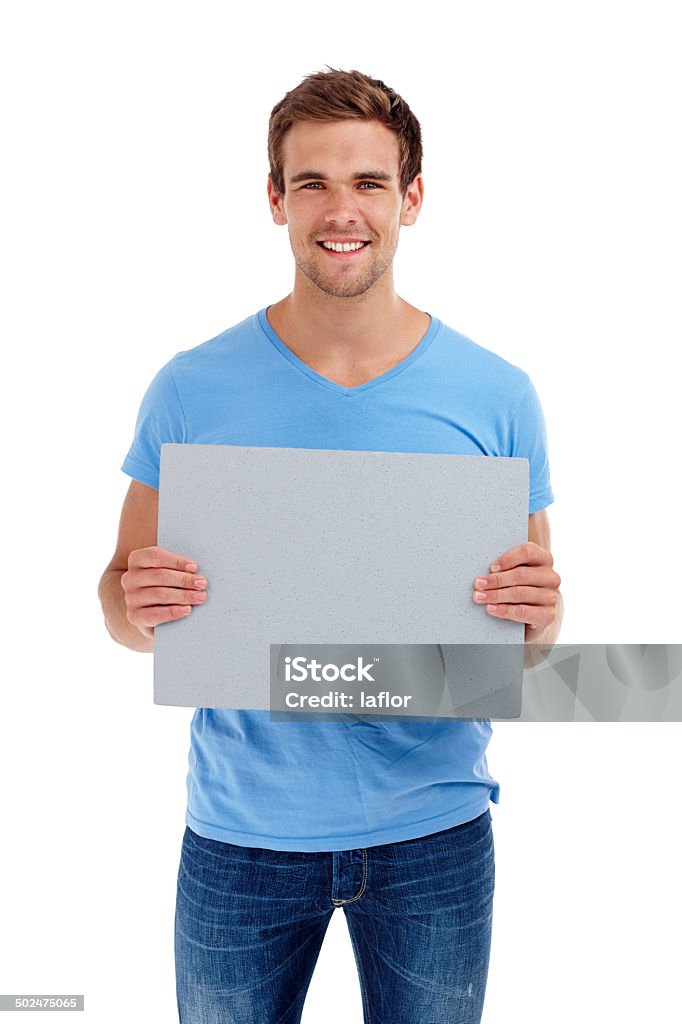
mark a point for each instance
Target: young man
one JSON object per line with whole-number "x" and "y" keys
{"x": 287, "y": 821}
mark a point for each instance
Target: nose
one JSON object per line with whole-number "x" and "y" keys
{"x": 341, "y": 207}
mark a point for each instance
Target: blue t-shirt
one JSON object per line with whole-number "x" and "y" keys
{"x": 338, "y": 785}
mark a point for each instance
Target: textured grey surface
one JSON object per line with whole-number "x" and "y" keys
{"x": 310, "y": 546}
{"x": 605, "y": 683}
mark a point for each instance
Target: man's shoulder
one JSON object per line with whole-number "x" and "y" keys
{"x": 479, "y": 361}
{"x": 230, "y": 338}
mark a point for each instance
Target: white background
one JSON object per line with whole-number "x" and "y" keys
{"x": 134, "y": 225}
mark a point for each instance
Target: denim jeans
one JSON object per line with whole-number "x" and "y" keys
{"x": 249, "y": 924}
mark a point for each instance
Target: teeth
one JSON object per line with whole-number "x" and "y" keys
{"x": 343, "y": 246}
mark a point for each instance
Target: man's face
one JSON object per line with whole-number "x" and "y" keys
{"x": 341, "y": 186}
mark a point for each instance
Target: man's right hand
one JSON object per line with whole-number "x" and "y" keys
{"x": 160, "y": 585}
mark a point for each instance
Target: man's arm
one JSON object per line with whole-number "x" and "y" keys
{"x": 137, "y": 529}
{"x": 145, "y": 585}
{"x": 523, "y": 585}
{"x": 539, "y": 532}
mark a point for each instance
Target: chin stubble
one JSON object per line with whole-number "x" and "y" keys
{"x": 337, "y": 287}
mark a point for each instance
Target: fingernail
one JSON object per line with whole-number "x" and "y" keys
{"x": 200, "y": 582}
{"x": 481, "y": 582}
{"x": 191, "y": 567}
{"x": 495, "y": 567}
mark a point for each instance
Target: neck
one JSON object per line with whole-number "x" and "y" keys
{"x": 355, "y": 327}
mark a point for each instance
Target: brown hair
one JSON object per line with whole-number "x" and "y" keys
{"x": 336, "y": 95}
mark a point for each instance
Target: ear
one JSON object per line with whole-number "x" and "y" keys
{"x": 276, "y": 200}
{"x": 412, "y": 203}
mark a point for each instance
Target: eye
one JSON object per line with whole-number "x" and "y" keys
{"x": 318, "y": 184}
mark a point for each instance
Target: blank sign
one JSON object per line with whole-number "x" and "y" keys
{"x": 312, "y": 546}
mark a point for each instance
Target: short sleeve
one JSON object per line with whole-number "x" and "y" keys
{"x": 160, "y": 420}
{"x": 528, "y": 436}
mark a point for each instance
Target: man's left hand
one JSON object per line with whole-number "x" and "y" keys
{"x": 521, "y": 586}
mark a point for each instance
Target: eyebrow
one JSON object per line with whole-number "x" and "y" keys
{"x": 360, "y": 175}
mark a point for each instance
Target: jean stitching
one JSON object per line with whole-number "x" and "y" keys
{"x": 357, "y": 896}
{"x": 361, "y": 973}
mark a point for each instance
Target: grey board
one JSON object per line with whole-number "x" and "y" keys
{"x": 313, "y": 546}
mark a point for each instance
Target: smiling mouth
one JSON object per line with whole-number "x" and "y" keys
{"x": 343, "y": 249}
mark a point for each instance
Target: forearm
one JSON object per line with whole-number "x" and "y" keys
{"x": 537, "y": 648}
{"x": 112, "y": 599}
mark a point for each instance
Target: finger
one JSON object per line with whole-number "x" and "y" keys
{"x": 156, "y": 557}
{"x": 517, "y": 595}
{"x": 525, "y": 575}
{"x": 537, "y": 616}
{"x": 149, "y": 597}
{"x": 528, "y": 553}
{"x": 147, "y": 618}
{"x": 136, "y": 577}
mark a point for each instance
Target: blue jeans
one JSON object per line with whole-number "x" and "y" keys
{"x": 249, "y": 925}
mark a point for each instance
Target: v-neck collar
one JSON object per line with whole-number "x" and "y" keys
{"x": 415, "y": 354}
